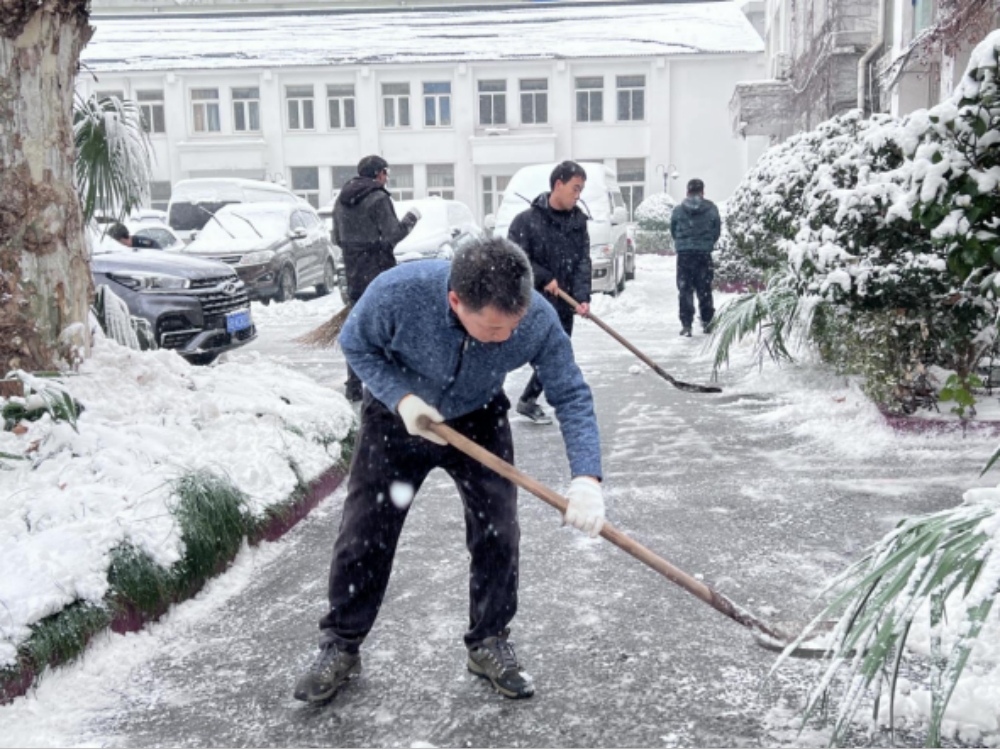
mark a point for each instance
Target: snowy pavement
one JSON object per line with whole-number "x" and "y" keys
{"x": 763, "y": 491}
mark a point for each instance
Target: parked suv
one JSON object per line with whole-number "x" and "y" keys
{"x": 199, "y": 308}
{"x": 276, "y": 248}
{"x": 192, "y": 202}
{"x": 612, "y": 258}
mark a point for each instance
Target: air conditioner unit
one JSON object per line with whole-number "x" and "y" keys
{"x": 781, "y": 66}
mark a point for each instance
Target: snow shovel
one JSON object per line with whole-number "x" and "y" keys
{"x": 765, "y": 635}
{"x": 652, "y": 365}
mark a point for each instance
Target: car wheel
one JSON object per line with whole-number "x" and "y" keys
{"x": 621, "y": 284}
{"x": 286, "y": 285}
{"x": 329, "y": 280}
{"x": 615, "y": 286}
{"x": 630, "y": 269}
{"x": 202, "y": 359}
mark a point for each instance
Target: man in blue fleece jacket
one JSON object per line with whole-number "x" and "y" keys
{"x": 436, "y": 340}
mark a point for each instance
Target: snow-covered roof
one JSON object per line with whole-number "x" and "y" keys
{"x": 278, "y": 40}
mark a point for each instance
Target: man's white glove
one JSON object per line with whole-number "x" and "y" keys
{"x": 586, "y": 506}
{"x": 411, "y": 408}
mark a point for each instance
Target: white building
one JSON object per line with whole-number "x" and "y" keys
{"x": 829, "y": 56}
{"x": 455, "y": 101}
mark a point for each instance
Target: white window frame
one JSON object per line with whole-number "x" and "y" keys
{"x": 246, "y": 104}
{"x": 436, "y": 99}
{"x": 340, "y": 97}
{"x": 629, "y": 187}
{"x": 206, "y": 105}
{"x": 400, "y": 193}
{"x": 446, "y": 173}
{"x": 394, "y": 100}
{"x": 159, "y": 202}
{"x": 492, "y": 96}
{"x": 591, "y": 92}
{"x": 491, "y": 188}
{"x": 310, "y": 194}
{"x": 633, "y": 92}
{"x": 534, "y": 95}
{"x": 303, "y": 105}
{"x": 148, "y": 108}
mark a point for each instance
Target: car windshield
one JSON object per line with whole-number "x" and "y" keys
{"x": 192, "y": 216}
{"x": 236, "y": 223}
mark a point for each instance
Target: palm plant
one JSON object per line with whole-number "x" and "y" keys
{"x": 940, "y": 566}
{"x": 113, "y": 156}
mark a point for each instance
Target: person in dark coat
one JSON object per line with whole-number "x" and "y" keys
{"x": 553, "y": 234}
{"x": 695, "y": 226}
{"x": 367, "y": 230}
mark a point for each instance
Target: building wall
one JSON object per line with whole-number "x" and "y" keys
{"x": 685, "y": 123}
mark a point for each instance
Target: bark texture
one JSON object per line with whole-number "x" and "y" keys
{"x": 45, "y": 280}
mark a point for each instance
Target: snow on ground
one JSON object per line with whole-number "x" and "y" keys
{"x": 774, "y": 530}
{"x": 201, "y": 41}
{"x": 149, "y": 417}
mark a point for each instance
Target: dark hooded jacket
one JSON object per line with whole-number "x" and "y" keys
{"x": 695, "y": 225}
{"x": 367, "y": 230}
{"x": 558, "y": 246}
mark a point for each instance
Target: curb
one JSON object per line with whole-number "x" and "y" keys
{"x": 129, "y": 620}
{"x": 917, "y": 425}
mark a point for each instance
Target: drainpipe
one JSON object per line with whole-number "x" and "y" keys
{"x": 866, "y": 58}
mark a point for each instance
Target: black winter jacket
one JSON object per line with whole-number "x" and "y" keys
{"x": 367, "y": 230}
{"x": 558, "y": 246}
{"x": 695, "y": 225}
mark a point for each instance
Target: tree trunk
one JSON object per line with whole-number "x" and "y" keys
{"x": 45, "y": 281}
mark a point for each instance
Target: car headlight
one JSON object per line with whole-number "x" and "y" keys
{"x": 601, "y": 251}
{"x": 256, "y": 258}
{"x": 143, "y": 282}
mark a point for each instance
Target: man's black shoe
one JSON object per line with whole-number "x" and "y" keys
{"x": 494, "y": 660}
{"x": 331, "y": 669}
{"x": 706, "y": 327}
{"x": 686, "y": 331}
{"x": 534, "y": 412}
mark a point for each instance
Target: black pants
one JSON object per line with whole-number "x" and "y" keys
{"x": 694, "y": 277}
{"x": 534, "y": 387}
{"x": 353, "y": 385}
{"x": 372, "y": 522}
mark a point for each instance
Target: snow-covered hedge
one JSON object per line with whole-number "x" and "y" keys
{"x": 75, "y": 494}
{"x": 653, "y": 224}
{"x": 892, "y": 227}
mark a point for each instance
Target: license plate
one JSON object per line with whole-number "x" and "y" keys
{"x": 237, "y": 321}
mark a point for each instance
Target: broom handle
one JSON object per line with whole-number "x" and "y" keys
{"x": 622, "y": 541}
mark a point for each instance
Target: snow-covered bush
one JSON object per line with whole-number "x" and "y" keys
{"x": 892, "y": 226}
{"x": 653, "y": 224}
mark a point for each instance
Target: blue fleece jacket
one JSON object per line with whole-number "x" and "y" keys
{"x": 402, "y": 337}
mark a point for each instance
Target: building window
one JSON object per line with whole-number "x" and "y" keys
{"x": 493, "y": 187}
{"x": 590, "y": 99}
{"x": 493, "y": 102}
{"x": 396, "y": 105}
{"x": 631, "y": 97}
{"x": 205, "y": 104}
{"x": 159, "y": 195}
{"x": 632, "y": 180}
{"x": 246, "y": 110}
{"x": 340, "y": 105}
{"x": 300, "y": 107}
{"x": 437, "y": 105}
{"x": 923, "y": 15}
{"x": 305, "y": 184}
{"x": 400, "y": 184}
{"x": 534, "y": 101}
{"x": 441, "y": 180}
{"x": 151, "y": 109}
{"x": 343, "y": 175}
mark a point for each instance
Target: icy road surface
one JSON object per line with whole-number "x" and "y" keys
{"x": 762, "y": 491}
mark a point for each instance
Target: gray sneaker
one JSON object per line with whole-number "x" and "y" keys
{"x": 534, "y": 412}
{"x": 494, "y": 660}
{"x": 331, "y": 669}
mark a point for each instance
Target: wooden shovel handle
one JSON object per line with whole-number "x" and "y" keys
{"x": 608, "y": 531}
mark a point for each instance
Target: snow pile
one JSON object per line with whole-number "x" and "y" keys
{"x": 148, "y": 419}
{"x": 653, "y": 224}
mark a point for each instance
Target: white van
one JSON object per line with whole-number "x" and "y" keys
{"x": 611, "y": 254}
{"x": 193, "y": 202}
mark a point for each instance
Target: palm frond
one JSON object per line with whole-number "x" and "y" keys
{"x": 921, "y": 564}
{"x": 775, "y": 314}
{"x": 113, "y": 159}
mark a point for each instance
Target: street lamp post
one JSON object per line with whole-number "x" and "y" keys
{"x": 668, "y": 171}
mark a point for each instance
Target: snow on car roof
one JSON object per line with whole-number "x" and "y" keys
{"x": 198, "y": 41}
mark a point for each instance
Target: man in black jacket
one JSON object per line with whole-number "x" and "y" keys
{"x": 553, "y": 233}
{"x": 695, "y": 227}
{"x": 367, "y": 230}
